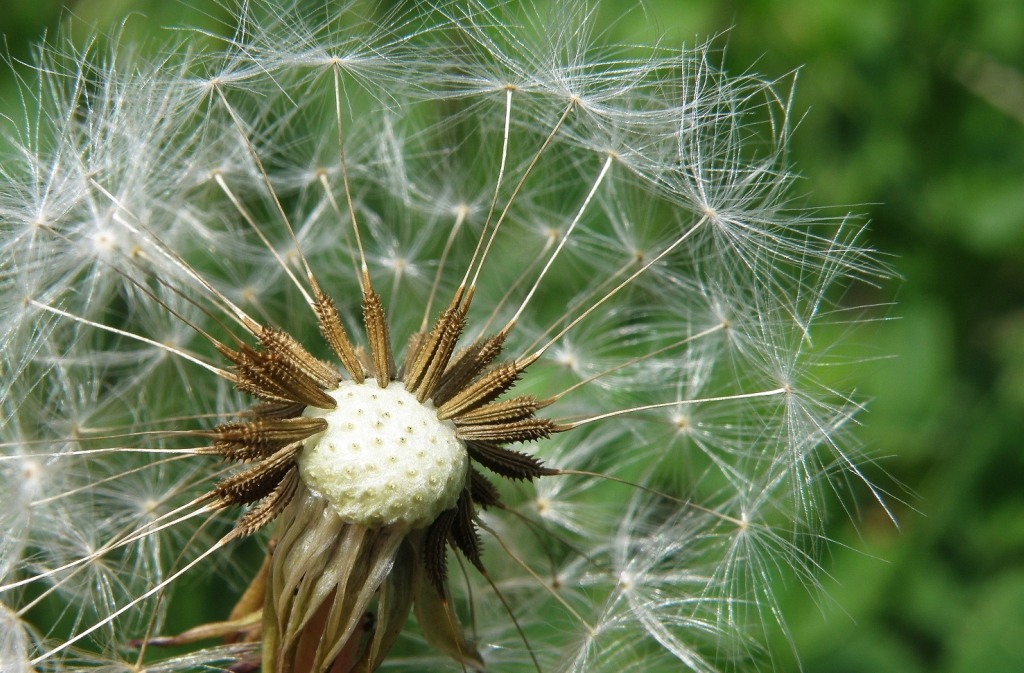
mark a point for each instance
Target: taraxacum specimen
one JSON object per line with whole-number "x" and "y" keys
{"x": 610, "y": 230}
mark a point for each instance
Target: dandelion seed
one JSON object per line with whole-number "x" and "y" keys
{"x": 451, "y": 313}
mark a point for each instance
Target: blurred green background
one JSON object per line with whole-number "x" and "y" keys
{"x": 914, "y": 119}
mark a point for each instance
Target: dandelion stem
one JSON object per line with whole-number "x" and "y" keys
{"x": 580, "y": 300}
{"x": 219, "y": 179}
{"x": 520, "y": 279}
{"x": 113, "y": 449}
{"x": 273, "y": 196}
{"x": 155, "y": 610}
{"x": 605, "y": 167}
{"x": 177, "y": 260}
{"x": 515, "y": 193}
{"x": 322, "y": 179}
{"x": 117, "y": 613}
{"x": 144, "y": 532}
{"x": 569, "y": 425}
{"x": 344, "y": 166}
{"x": 98, "y": 482}
{"x": 515, "y": 622}
{"x": 497, "y": 185}
{"x": 646, "y": 356}
{"x": 522, "y": 564}
{"x": 620, "y": 286}
{"x": 653, "y": 491}
{"x": 228, "y": 376}
{"x": 460, "y": 217}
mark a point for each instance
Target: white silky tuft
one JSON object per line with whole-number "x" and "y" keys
{"x": 627, "y": 212}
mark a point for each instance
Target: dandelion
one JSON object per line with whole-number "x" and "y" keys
{"x": 451, "y": 313}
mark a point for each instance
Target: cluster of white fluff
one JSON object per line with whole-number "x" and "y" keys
{"x": 654, "y": 184}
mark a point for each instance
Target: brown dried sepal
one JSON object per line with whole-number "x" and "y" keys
{"x": 467, "y": 365}
{"x": 483, "y": 492}
{"x": 272, "y": 375}
{"x": 271, "y": 506}
{"x": 435, "y": 556}
{"x": 262, "y": 437}
{"x": 464, "y": 532}
{"x": 258, "y": 481}
{"x": 333, "y": 331}
{"x": 377, "y": 335}
{"x": 526, "y": 430}
{"x": 432, "y": 357}
{"x": 507, "y": 463}
{"x": 274, "y": 410}
{"x": 487, "y": 388}
{"x": 503, "y": 411}
{"x": 323, "y": 374}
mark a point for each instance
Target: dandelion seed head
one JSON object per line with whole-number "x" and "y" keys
{"x": 399, "y": 466}
{"x": 452, "y": 312}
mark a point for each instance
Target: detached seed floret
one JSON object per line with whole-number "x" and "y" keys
{"x": 385, "y": 458}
